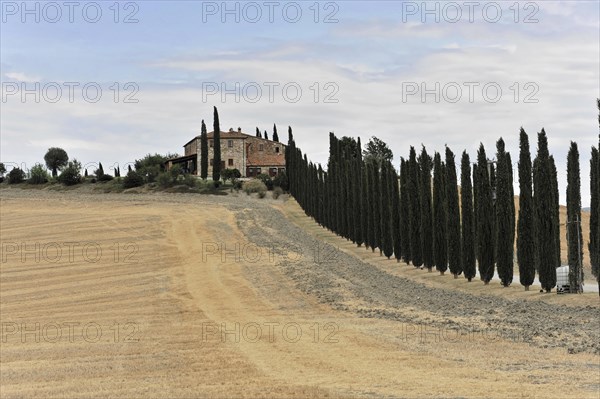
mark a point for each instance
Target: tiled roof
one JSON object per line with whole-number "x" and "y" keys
{"x": 229, "y": 135}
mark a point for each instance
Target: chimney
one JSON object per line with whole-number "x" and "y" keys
{"x": 239, "y": 129}
{"x": 230, "y": 129}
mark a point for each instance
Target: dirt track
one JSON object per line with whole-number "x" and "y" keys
{"x": 190, "y": 268}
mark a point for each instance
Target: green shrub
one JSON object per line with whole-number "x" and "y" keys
{"x": 262, "y": 194}
{"x": 266, "y": 179}
{"x": 237, "y": 185}
{"x": 71, "y": 175}
{"x": 16, "y": 176}
{"x": 254, "y": 186}
{"x": 190, "y": 181}
{"x": 38, "y": 175}
{"x": 164, "y": 180}
{"x": 277, "y": 191}
{"x": 281, "y": 180}
{"x": 105, "y": 177}
{"x": 133, "y": 179}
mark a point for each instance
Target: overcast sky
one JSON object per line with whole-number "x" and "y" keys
{"x": 410, "y": 73}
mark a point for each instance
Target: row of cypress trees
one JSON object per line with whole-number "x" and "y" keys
{"x": 420, "y": 220}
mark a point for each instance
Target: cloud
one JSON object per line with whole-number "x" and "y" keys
{"x": 22, "y": 77}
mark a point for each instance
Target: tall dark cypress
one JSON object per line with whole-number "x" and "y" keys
{"x": 594, "y": 214}
{"x": 404, "y": 212}
{"x": 467, "y": 226}
{"x": 544, "y": 219}
{"x": 425, "y": 165}
{"x": 258, "y": 132}
{"x": 396, "y": 215}
{"x": 266, "y": 136}
{"x": 358, "y": 198}
{"x": 574, "y": 235}
{"x": 555, "y": 212}
{"x": 376, "y": 187}
{"x": 385, "y": 215}
{"x": 374, "y": 205}
{"x": 485, "y": 218}
{"x": 275, "y": 135}
{"x": 203, "y": 152}
{"x": 216, "y": 167}
{"x": 416, "y": 249}
{"x": 368, "y": 209}
{"x": 505, "y": 215}
{"x": 453, "y": 216}
{"x": 440, "y": 249}
{"x": 525, "y": 227}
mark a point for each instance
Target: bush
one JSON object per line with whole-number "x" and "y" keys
{"x": 281, "y": 180}
{"x": 133, "y": 179}
{"x": 190, "y": 181}
{"x": 38, "y": 175}
{"x": 262, "y": 194}
{"x": 105, "y": 177}
{"x": 277, "y": 191}
{"x": 254, "y": 186}
{"x": 71, "y": 175}
{"x": 230, "y": 174}
{"x": 237, "y": 185}
{"x": 16, "y": 176}
{"x": 164, "y": 180}
{"x": 266, "y": 179}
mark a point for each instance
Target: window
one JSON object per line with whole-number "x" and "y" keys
{"x": 210, "y": 143}
{"x": 258, "y": 171}
{"x": 277, "y": 150}
{"x": 230, "y": 162}
{"x": 261, "y": 147}
{"x": 230, "y": 143}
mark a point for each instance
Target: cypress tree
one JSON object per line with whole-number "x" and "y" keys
{"x": 467, "y": 226}
{"x": 258, "y": 132}
{"x": 387, "y": 245}
{"x": 358, "y": 198}
{"x": 453, "y": 216}
{"x": 476, "y": 240}
{"x": 555, "y": 212}
{"x": 128, "y": 169}
{"x": 574, "y": 235}
{"x": 525, "y": 227}
{"x": 543, "y": 200}
{"x": 368, "y": 208}
{"x": 416, "y": 249}
{"x": 505, "y": 215}
{"x": 216, "y": 167}
{"x": 485, "y": 216}
{"x": 440, "y": 249}
{"x": 376, "y": 188}
{"x": 266, "y": 136}
{"x": 425, "y": 165}
{"x": 275, "y": 136}
{"x": 594, "y": 214}
{"x": 404, "y": 212}
{"x": 373, "y": 200}
{"x": 396, "y": 215}
{"x": 203, "y": 152}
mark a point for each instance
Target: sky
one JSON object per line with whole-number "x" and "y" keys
{"x": 112, "y": 81}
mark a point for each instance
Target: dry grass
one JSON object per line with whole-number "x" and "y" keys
{"x": 168, "y": 292}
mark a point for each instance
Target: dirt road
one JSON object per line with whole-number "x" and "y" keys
{"x": 194, "y": 296}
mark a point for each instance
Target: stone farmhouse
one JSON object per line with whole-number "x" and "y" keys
{"x": 249, "y": 154}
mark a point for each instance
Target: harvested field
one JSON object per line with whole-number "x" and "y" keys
{"x": 176, "y": 295}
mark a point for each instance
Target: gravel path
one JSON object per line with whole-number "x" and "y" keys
{"x": 349, "y": 284}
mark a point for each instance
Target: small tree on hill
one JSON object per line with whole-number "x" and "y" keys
{"x": 56, "y": 159}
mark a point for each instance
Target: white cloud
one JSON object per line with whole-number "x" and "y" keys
{"x": 22, "y": 77}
